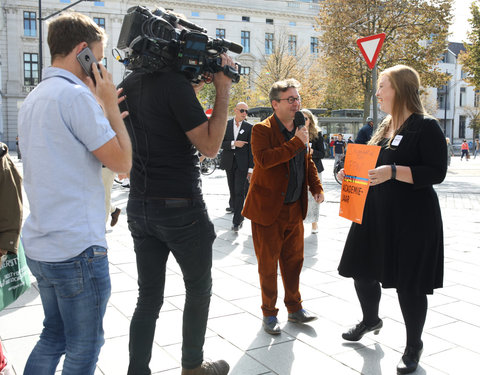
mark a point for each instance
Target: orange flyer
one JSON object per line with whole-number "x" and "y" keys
{"x": 358, "y": 161}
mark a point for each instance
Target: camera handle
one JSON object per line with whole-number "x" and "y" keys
{"x": 232, "y": 73}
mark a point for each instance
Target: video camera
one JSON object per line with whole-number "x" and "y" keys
{"x": 154, "y": 42}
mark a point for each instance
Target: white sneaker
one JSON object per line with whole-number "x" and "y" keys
{"x": 7, "y": 370}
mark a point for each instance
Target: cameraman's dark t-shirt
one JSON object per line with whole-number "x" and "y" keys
{"x": 162, "y": 107}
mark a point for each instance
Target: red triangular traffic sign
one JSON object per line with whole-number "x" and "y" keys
{"x": 370, "y": 47}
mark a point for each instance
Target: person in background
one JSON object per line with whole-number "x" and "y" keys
{"x": 476, "y": 148}
{"x": 450, "y": 151}
{"x": 19, "y": 153}
{"x": 317, "y": 151}
{"x": 400, "y": 241}
{"x": 465, "y": 150}
{"x": 331, "y": 145}
{"x": 339, "y": 148}
{"x": 10, "y": 221}
{"x": 365, "y": 133}
{"x": 237, "y": 161}
{"x": 114, "y": 212}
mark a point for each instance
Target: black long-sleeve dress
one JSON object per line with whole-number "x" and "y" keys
{"x": 400, "y": 240}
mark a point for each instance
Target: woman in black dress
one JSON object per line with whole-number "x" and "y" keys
{"x": 400, "y": 241}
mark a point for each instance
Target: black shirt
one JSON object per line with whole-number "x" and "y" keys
{"x": 162, "y": 107}
{"x": 297, "y": 167}
{"x": 339, "y": 147}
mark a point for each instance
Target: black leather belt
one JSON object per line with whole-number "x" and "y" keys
{"x": 177, "y": 202}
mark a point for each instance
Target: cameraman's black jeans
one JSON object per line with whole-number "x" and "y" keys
{"x": 158, "y": 227}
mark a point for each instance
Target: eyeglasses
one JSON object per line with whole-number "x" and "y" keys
{"x": 291, "y": 99}
{"x": 243, "y": 110}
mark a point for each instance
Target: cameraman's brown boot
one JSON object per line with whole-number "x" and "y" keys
{"x": 209, "y": 368}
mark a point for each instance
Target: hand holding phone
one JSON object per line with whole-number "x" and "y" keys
{"x": 86, "y": 58}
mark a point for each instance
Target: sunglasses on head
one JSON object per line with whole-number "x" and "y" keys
{"x": 243, "y": 110}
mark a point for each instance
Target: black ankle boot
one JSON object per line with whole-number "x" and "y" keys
{"x": 410, "y": 359}
{"x": 357, "y": 332}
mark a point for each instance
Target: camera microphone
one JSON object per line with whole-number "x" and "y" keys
{"x": 234, "y": 47}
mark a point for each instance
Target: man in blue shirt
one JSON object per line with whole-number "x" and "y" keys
{"x": 66, "y": 134}
{"x": 365, "y": 132}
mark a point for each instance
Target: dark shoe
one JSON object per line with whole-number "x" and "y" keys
{"x": 410, "y": 359}
{"x": 301, "y": 316}
{"x": 270, "y": 325}
{"x": 115, "y": 214}
{"x": 229, "y": 210}
{"x": 357, "y": 332}
{"x": 209, "y": 368}
{"x": 237, "y": 227}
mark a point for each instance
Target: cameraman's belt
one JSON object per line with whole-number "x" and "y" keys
{"x": 176, "y": 202}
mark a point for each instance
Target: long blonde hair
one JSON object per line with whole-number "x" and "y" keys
{"x": 313, "y": 128}
{"x": 405, "y": 82}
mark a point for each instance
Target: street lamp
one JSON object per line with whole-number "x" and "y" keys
{"x": 40, "y": 37}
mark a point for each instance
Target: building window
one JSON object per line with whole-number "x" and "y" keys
{"x": 220, "y": 16}
{"x": 268, "y": 43}
{"x": 314, "y": 45}
{"x": 292, "y": 23}
{"x": 195, "y": 14}
{"x": 463, "y": 96}
{"x": 99, "y": 3}
{"x": 269, "y": 21}
{"x": 245, "y": 38}
{"x": 29, "y": 23}
{"x": 245, "y": 19}
{"x": 245, "y": 70}
{"x": 476, "y": 99}
{"x": 99, "y": 21}
{"x": 220, "y": 33}
{"x": 461, "y": 126}
{"x": 292, "y": 45}
{"x": 30, "y": 69}
{"x": 441, "y": 100}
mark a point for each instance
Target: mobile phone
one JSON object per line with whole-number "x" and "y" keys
{"x": 86, "y": 58}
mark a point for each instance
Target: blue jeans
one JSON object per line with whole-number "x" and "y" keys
{"x": 187, "y": 232}
{"x": 74, "y": 295}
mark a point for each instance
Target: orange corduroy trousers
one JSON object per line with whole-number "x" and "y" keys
{"x": 280, "y": 243}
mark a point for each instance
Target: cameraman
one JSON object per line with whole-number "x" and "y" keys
{"x": 166, "y": 211}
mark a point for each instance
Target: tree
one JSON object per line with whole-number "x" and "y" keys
{"x": 416, "y": 35}
{"x": 278, "y": 65}
{"x": 240, "y": 92}
{"x": 471, "y": 58}
{"x": 473, "y": 113}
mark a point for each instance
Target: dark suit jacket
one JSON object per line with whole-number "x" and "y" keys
{"x": 268, "y": 186}
{"x": 243, "y": 155}
{"x": 318, "y": 148}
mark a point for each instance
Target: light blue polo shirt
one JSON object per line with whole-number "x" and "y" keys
{"x": 60, "y": 123}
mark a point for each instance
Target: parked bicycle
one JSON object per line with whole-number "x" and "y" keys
{"x": 208, "y": 165}
{"x": 337, "y": 167}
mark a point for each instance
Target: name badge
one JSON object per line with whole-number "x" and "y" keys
{"x": 242, "y": 131}
{"x": 396, "y": 141}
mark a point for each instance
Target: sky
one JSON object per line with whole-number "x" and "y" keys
{"x": 460, "y": 25}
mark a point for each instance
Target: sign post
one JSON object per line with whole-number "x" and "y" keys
{"x": 370, "y": 47}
